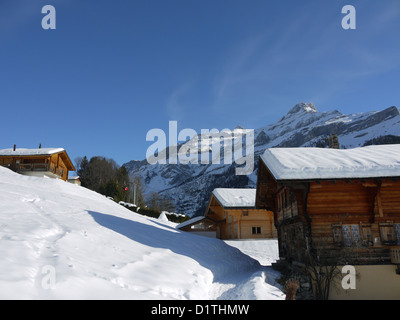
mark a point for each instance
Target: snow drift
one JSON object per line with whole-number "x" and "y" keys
{"x": 62, "y": 241}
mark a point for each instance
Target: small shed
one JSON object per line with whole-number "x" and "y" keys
{"x": 199, "y": 225}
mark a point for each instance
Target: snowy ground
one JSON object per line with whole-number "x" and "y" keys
{"x": 259, "y": 285}
{"x": 62, "y": 241}
{"x": 264, "y": 251}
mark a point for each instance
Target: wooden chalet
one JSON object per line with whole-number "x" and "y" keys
{"x": 45, "y": 162}
{"x": 337, "y": 202}
{"x": 235, "y": 215}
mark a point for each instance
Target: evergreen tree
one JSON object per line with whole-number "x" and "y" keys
{"x": 154, "y": 201}
{"x": 82, "y": 170}
{"x": 104, "y": 176}
{"x": 160, "y": 203}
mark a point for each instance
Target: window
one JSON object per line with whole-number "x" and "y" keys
{"x": 245, "y": 213}
{"x": 397, "y": 232}
{"x": 388, "y": 235}
{"x": 366, "y": 234}
{"x": 256, "y": 230}
{"x": 337, "y": 235}
{"x": 346, "y": 234}
{"x": 351, "y": 235}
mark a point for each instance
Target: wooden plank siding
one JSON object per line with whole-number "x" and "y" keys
{"x": 241, "y": 223}
{"x": 266, "y": 189}
{"x": 362, "y": 214}
{"x": 58, "y": 164}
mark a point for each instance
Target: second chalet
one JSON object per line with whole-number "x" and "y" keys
{"x": 231, "y": 214}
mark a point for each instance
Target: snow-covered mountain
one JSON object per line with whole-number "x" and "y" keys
{"x": 190, "y": 185}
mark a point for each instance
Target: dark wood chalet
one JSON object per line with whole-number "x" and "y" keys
{"x": 329, "y": 201}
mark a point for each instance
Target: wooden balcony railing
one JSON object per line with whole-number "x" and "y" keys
{"x": 43, "y": 167}
{"x": 33, "y": 167}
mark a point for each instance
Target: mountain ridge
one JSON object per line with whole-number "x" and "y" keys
{"x": 190, "y": 185}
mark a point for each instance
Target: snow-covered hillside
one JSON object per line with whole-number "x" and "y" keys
{"x": 62, "y": 241}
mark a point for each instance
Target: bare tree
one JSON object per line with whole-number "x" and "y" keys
{"x": 322, "y": 263}
{"x": 78, "y": 162}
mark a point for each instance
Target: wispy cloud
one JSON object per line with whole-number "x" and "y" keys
{"x": 309, "y": 55}
{"x": 175, "y": 105}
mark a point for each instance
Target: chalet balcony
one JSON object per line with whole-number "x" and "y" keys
{"x": 376, "y": 255}
{"x": 361, "y": 255}
{"x": 39, "y": 167}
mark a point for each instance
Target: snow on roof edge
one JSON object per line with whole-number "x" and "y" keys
{"x": 304, "y": 163}
{"x": 235, "y": 198}
{"x": 30, "y": 152}
{"x": 190, "y": 221}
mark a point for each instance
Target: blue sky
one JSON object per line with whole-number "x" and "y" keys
{"x": 113, "y": 70}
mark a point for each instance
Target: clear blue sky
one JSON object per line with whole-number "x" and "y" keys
{"x": 113, "y": 70}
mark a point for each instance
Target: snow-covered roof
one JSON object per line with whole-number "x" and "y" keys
{"x": 235, "y": 198}
{"x": 30, "y": 152}
{"x": 324, "y": 163}
{"x": 75, "y": 178}
{"x": 190, "y": 221}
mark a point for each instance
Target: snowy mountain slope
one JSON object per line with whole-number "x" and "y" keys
{"x": 190, "y": 185}
{"x": 62, "y": 241}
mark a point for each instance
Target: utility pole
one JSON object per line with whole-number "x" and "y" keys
{"x": 133, "y": 192}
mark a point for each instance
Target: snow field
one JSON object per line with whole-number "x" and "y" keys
{"x": 62, "y": 241}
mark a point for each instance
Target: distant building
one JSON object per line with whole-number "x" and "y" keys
{"x": 43, "y": 162}
{"x": 231, "y": 214}
{"x": 74, "y": 180}
{"x": 200, "y": 225}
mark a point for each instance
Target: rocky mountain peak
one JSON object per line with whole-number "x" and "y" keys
{"x": 303, "y": 107}
{"x": 303, "y": 126}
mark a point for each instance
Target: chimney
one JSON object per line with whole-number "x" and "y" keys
{"x": 40, "y": 146}
{"x": 334, "y": 141}
{"x": 15, "y": 146}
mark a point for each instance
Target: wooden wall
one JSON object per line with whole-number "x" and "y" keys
{"x": 363, "y": 214}
{"x": 248, "y": 224}
{"x": 266, "y": 188}
{"x": 242, "y": 223}
{"x": 59, "y": 165}
{"x": 56, "y": 163}
{"x": 6, "y": 162}
{"x": 358, "y": 203}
